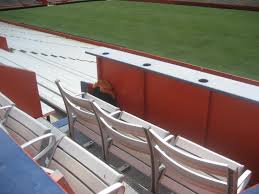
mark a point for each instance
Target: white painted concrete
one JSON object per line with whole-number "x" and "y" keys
{"x": 50, "y": 57}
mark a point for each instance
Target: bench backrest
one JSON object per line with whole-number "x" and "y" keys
{"x": 202, "y": 152}
{"x": 78, "y": 108}
{"x": 129, "y": 118}
{"x": 22, "y": 127}
{"x": 84, "y": 102}
{"x": 77, "y": 100}
{"x": 84, "y": 172}
{"x": 197, "y": 174}
{"x": 114, "y": 130}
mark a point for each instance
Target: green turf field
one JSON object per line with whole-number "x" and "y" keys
{"x": 225, "y": 40}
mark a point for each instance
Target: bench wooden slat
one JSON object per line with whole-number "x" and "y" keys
{"x": 188, "y": 159}
{"x": 108, "y": 175}
{"x": 202, "y": 152}
{"x": 75, "y": 184}
{"x": 19, "y": 140}
{"x": 82, "y": 172}
{"x": 88, "y": 117}
{"x": 135, "y": 162}
{"x": 118, "y": 150}
{"x": 174, "y": 186}
{"x": 199, "y": 174}
{"x": 89, "y": 133}
{"x": 79, "y": 101}
{"x": 121, "y": 151}
{"x": 145, "y": 158}
{"x": 20, "y": 129}
{"x": 119, "y": 125}
{"x": 93, "y": 127}
{"x": 127, "y": 117}
{"x": 127, "y": 141}
{"x": 28, "y": 121}
{"x": 192, "y": 180}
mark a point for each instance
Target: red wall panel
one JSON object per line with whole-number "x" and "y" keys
{"x": 21, "y": 87}
{"x": 3, "y": 43}
{"x": 177, "y": 106}
{"x": 174, "y": 105}
{"x": 128, "y": 83}
{"x": 233, "y": 130}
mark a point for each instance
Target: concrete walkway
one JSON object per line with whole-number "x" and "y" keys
{"x": 50, "y": 57}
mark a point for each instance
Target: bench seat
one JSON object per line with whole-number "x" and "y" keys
{"x": 195, "y": 168}
{"x": 84, "y": 172}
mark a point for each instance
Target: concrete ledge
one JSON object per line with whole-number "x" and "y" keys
{"x": 191, "y": 76}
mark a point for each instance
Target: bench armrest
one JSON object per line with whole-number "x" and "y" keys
{"x": 81, "y": 94}
{"x": 52, "y": 142}
{"x": 117, "y": 188}
{"x": 8, "y": 108}
{"x": 115, "y": 114}
{"x": 169, "y": 138}
{"x": 243, "y": 180}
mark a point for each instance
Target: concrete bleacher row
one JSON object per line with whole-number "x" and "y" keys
{"x": 50, "y": 57}
{"x": 232, "y": 2}
{"x": 31, "y": 3}
{"x": 51, "y": 66}
{"x": 19, "y": 3}
{"x": 229, "y": 2}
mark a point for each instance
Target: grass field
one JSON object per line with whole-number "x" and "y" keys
{"x": 225, "y": 40}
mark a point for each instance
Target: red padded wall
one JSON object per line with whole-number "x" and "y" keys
{"x": 128, "y": 83}
{"x": 176, "y": 106}
{"x": 21, "y": 87}
{"x": 233, "y": 130}
{"x": 3, "y": 43}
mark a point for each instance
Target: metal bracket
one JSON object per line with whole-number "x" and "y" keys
{"x": 88, "y": 144}
{"x": 124, "y": 167}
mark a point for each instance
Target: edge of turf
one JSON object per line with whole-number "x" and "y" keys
{"x": 204, "y": 4}
{"x": 136, "y": 52}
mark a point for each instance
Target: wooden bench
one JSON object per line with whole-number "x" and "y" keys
{"x": 193, "y": 168}
{"x": 22, "y": 127}
{"x": 126, "y": 137}
{"x": 81, "y": 115}
{"x": 84, "y": 172}
{"x": 120, "y": 129}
